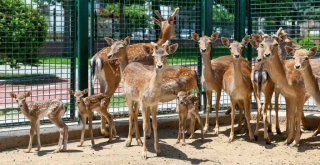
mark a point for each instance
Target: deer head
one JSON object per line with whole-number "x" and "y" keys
{"x": 160, "y": 53}
{"x": 20, "y": 98}
{"x": 182, "y": 97}
{"x": 205, "y": 42}
{"x": 255, "y": 41}
{"x": 78, "y": 94}
{"x": 270, "y": 47}
{"x": 236, "y": 47}
{"x": 168, "y": 28}
{"x": 118, "y": 48}
{"x": 301, "y": 56}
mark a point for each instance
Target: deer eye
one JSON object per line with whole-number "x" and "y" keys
{"x": 306, "y": 58}
{"x": 276, "y": 44}
{"x": 261, "y": 45}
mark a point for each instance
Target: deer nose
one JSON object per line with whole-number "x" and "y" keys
{"x": 159, "y": 66}
{"x": 236, "y": 55}
{"x": 109, "y": 56}
{"x": 259, "y": 59}
{"x": 297, "y": 66}
{"x": 267, "y": 54}
{"x": 203, "y": 50}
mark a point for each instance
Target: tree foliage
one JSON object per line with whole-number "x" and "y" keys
{"x": 23, "y": 30}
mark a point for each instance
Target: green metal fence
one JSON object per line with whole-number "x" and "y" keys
{"x": 37, "y": 50}
{"x": 40, "y": 40}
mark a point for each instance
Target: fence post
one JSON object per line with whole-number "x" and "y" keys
{"x": 82, "y": 44}
{"x": 206, "y": 29}
{"x": 92, "y": 35}
{"x": 249, "y": 29}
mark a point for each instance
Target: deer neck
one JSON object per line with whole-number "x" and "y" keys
{"x": 206, "y": 66}
{"x": 25, "y": 109}
{"x": 123, "y": 61}
{"x": 237, "y": 73}
{"x": 277, "y": 73}
{"x": 155, "y": 81}
{"x": 311, "y": 84}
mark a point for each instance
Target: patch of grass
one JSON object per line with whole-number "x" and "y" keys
{"x": 56, "y": 60}
{"x": 118, "y": 101}
{"x": 14, "y": 75}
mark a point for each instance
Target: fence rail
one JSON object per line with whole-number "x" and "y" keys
{"x": 44, "y": 44}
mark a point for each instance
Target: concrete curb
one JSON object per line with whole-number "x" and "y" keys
{"x": 19, "y": 137}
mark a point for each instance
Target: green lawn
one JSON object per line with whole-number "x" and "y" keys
{"x": 13, "y": 75}
{"x": 118, "y": 101}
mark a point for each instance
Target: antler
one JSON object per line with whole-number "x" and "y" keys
{"x": 176, "y": 11}
{"x": 158, "y": 14}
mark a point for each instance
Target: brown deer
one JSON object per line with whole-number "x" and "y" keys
{"x": 303, "y": 65}
{"x": 107, "y": 72}
{"x": 175, "y": 79}
{"x": 212, "y": 73}
{"x": 86, "y": 107}
{"x": 237, "y": 83}
{"x": 35, "y": 111}
{"x": 146, "y": 89}
{"x": 188, "y": 105}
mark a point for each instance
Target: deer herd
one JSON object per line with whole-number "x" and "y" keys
{"x": 148, "y": 80}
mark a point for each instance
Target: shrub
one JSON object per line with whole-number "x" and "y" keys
{"x": 23, "y": 31}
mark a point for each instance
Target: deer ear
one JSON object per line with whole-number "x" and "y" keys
{"x": 172, "y": 48}
{"x": 109, "y": 40}
{"x": 225, "y": 41}
{"x": 290, "y": 50}
{"x": 71, "y": 92}
{"x": 27, "y": 94}
{"x": 313, "y": 51}
{"x": 126, "y": 41}
{"x": 171, "y": 20}
{"x": 256, "y": 37}
{"x": 147, "y": 49}
{"x": 254, "y": 43}
{"x": 85, "y": 91}
{"x": 155, "y": 20}
{"x": 195, "y": 36}
{"x": 245, "y": 40}
{"x": 214, "y": 36}
{"x": 13, "y": 95}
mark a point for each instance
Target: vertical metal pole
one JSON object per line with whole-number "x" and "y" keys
{"x": 82, "y": 44}
{"x": 92, "y": 27}
{"x": 242, "y": 19}
{"x": 249, "y": 29}
{"x": 206, "y": 29}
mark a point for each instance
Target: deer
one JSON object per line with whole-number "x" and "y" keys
{"x": 146, "y": 90}
{"x": 188, "y": 105}
{"x": 212, "y": 73}
{"x": 35, "y": 111}
{"x": 86, "y": 107}
{"x": 237, "y": 83}
{"x": 107, "y": 71}
{"x": 175, "y": 79}
{"x": 302, "y": 63}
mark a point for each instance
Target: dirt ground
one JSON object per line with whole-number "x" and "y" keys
{"x": 214, "y": 150}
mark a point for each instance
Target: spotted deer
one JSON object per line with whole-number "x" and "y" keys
{"x": 86, "y": 107}
{"x": 175, "y": 79}
{"x": 212, "y": 73}
{"x": 35, "y": 111}
{"x": 107, "y": 71}
{"x": 310, "y": 75}
{"x": 188, "y": 105}
{"x": 237, "y": 83}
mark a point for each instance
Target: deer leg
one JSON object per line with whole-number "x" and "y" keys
{"x": 110, "y": 121}
{"x": 316, "y": 132}
{"x": 155, "y": 129}
{"x": 38, "y": 135}
{"x": 240, "y": 104}
{"x": 180, "y": 128}
{"x": 184, "y": 119}
{"x": 257, "y": 98}
{"x": 265, "y": 124}
{"x": 208, "y": 108}
{"x": 32, "y": 131}
{"x": 136, "y": 124}
{"x": 269, "y": 106}
{"x": 145, "y": 118}
{"x": 277, "y": 112}
{"x": 216, "y": 129}
{"x": 62, "y": 128}
{"x": 83, "y": 129}
{"x": 131, "y": 116}
{"x": 197, "y": 115}
{"x": 247, "y": 111}
{"x": 298, "y": 115}
{"x": 233, "y": 104}
{"x": 291, "y": 108}
{"x": 149, "y": 125}
{"x": 90, "y": 116}
{"x": 192, "y": 125}
{"x": 103, "y": 127}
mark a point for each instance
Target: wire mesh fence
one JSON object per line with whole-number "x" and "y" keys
{"x": 38, "y": 40}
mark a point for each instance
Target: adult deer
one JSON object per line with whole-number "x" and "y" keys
{"x": 303, "y": 65}
{"x": 237, "y": 83}
{"x": 175, "y": 79}
{"x": 146, "y": 90}
{"x": 212, "y": 73}
{"x": 107, "y": 72}
{"x": 35, "y": 111}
